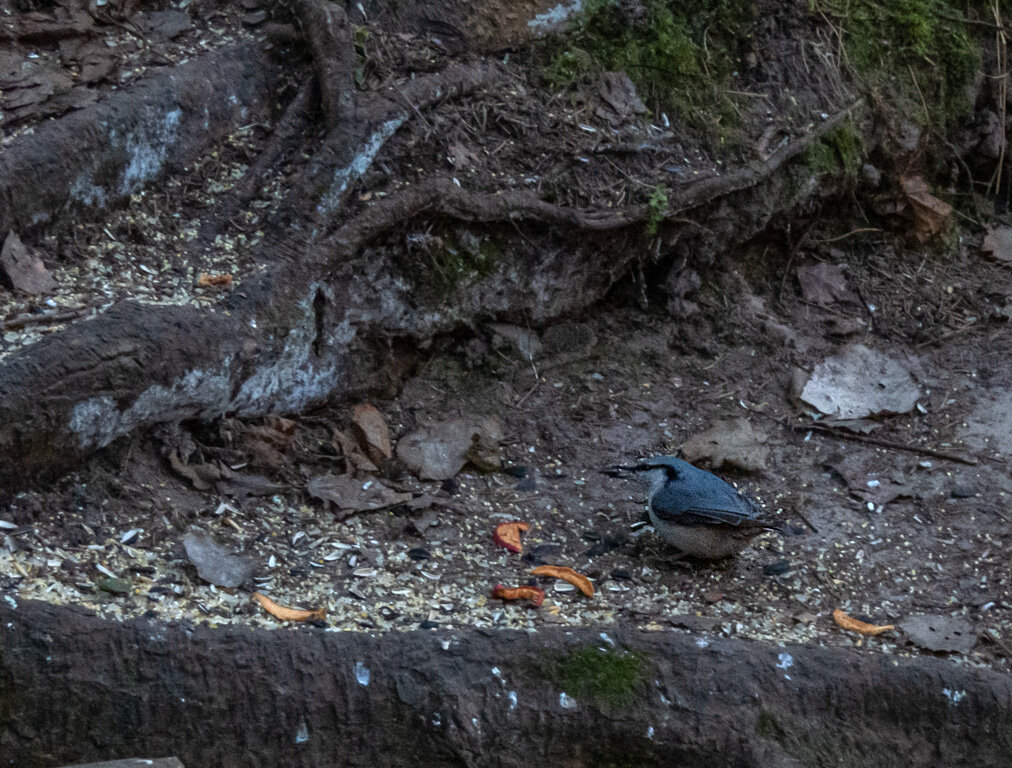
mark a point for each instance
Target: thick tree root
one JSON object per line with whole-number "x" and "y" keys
{"x": 326, "y": 29}
{"x": 75, "y": 688}
{"x": 92, "y": 158}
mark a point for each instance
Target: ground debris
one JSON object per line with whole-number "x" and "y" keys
{"x": 730, "y": 442}
{"x": 284, "y": 613}
{"x": 998, "y": 245}
{"x": 619, "y": 96}
{"x": 372, "y": 432}
{"x": 215, "y": 563}
{"x": 439, "y": 452}
{"x": 567, "y": 574}
{"x": 824, "y": 284}
{"x": 346, "y": 495}
{"x": 22, "y": 270}
{"x": 862, "y": 627}
{"x": 931, "y": 216}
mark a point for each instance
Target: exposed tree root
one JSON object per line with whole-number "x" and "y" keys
{"x": 446, "y": 198}
{"x": 326, "y": 29}
{"x": 77, "y": 688}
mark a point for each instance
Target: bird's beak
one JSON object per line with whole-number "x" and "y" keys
{"x": 620, "y": 471}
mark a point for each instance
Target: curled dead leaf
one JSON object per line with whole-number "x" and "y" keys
{"x": 536, "y": 595}
{"x": 855, "y": 625}
{"x": 214, "y": 281}
{"x": 508, "y": 535}
{"x": 284, "y": 613}
{"x": 565, "y": 573}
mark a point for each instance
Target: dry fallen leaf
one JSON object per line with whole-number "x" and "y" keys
{"x": 372, "y": 432}
{"x": 854, "y": 625}
{"x": 824, "y": 284}
{"x": 534, "y": 594}
{"x": 347, "y": 495}
{"x": 214, "y": 281}
{"x": 931, "y": 215}
{"x": 23, "y": 270}
{"x": 288, "y": 614}
{"x": 730, "y": 442}
{"x": 565, "y": 573}
{"x": 508, "y": 535}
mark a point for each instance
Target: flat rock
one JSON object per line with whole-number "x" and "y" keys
{"x": 988, "y": 427}
{"x": 163, "y": 25}
{"x": 861, "y": 382}
{"x": 940, "y": 633}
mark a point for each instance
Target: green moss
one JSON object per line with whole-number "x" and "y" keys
{"x": 606, "y": 677}
{"x": 910, "y": 53}
{"x": 453, "y": 262}
{"x": 446, "y": 262}
{"x": 679, "y": 54}
{"x": 657, "y": 206}
{"x": 839, "y": 151}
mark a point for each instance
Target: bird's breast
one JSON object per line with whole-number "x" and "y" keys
{"x": 707, "y": 542}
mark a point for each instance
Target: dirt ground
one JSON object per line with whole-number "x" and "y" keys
{"x": 619, "y": 383}
{"x": 883, "y": 532}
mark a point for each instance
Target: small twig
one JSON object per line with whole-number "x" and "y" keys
{"x": 964, "y": 20}
{"x": 529, "y": 393}
{"x": 882, "y": 443}
{"x": 848, "y": 234}
{"x": 20, "y": 321}
{"x": 945, "y": 336}
{"x": 924, "y": 102}
{"x": 1001, "y": 644}
{"x": 805, "y": 520}
{"x": 411, "y": 104}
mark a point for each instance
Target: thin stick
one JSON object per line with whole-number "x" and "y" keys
{"x": 883, "y": 443}
{"x": 805, "y": 520}
{"x": 999, "y": 643}
{"x": 529, "y": 393}
{"x": 848, "y": 234}
{"x": 20, "y": 321}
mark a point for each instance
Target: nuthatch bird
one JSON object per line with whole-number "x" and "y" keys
{"x": 697, "y": 512}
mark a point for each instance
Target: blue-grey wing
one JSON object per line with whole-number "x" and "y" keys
{"x": 704, "y": 502}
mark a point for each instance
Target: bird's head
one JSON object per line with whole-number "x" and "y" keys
{"x": 657, "y": 470}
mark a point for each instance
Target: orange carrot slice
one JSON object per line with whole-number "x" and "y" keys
{"x": 288, "y": 614}
{"x": 578, "y": 580}
{"x": 534, "y": 594}
{"x": 508, "y": 535}
{"x": 854, "y": 625}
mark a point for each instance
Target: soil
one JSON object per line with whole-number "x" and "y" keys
{"x": 644, "y": 386}
{"x": 589, "y": 344}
